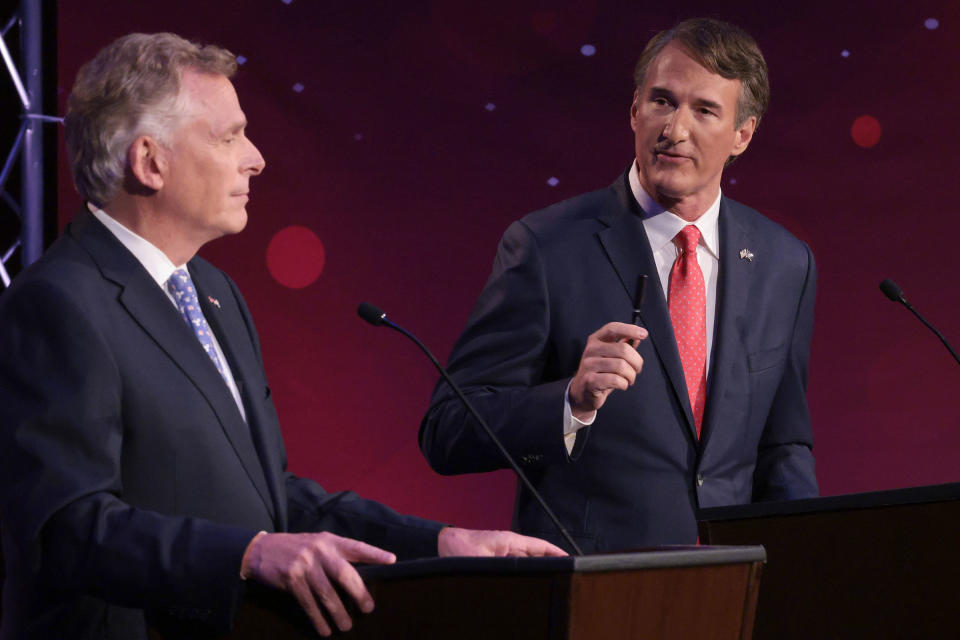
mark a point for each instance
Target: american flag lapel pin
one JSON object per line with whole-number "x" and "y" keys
{"x": 214, "y": 301}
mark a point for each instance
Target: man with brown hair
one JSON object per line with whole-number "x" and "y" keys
{"x": 697, "y": 401}
{"x": 142, "y": 469}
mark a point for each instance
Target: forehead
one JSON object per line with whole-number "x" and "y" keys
{"x": 210, "y": 97}
{"x": 675, "y": 70}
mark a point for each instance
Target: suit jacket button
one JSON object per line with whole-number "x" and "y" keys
{"x": 699, "y": 479}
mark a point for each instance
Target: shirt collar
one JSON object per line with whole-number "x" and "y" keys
{"x": 155, "y": 261}
{"x": 662, "y": 225}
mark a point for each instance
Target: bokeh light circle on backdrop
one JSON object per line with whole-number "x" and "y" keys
{"x": 866, "y": 131}
{"x": 295, "y": 257}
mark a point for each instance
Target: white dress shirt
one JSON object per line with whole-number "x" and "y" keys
{"x": 160, "y": 268}
{"x": 661, "y": 227}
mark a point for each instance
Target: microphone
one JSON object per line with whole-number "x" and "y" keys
{"x": 892, "y": 291}
{"x": 895, "y": 293}
{"x": 371, "y": 314}
{"x": 378, "y": 318}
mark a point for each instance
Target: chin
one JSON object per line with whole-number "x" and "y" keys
{"x": 667, "y": 177}
{"x": 231, "y": 225}
{"x": 672, "y": 189}
{"x": 238, "y": 222}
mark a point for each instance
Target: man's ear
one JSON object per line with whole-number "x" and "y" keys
{"x": 744, "y": 135}
{"x": 635, "y": 109}
{"x": 147, "y": 162}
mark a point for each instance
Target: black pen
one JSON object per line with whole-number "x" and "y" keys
{"x": 638, "y": 299}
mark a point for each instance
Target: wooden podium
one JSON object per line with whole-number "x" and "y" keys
{"x": 700, "y": 593}
{"x": 869, "y": 565}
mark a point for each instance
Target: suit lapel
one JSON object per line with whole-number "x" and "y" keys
{"x": 628, "y": 249}
{"x": 152, "y": 310}
{"x": 733, "y": 286}
{"x": 227, "y": 324}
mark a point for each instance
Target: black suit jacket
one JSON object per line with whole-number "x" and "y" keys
{"x": 129, "y": 481}
{"x": 635, "y": 476}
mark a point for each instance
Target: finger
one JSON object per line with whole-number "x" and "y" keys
{"x": 327, "y": 596}
{"x": 616, "y": 331}
{"x": 620, "y": 351}
{"x": 540, "y": 547}
{"x": 348, "y": 578}
{"x": 621, "y": 367}
{"x": 603, "y": 382}
{"x": 629, "y": 353}
{"x": 591, "y": 391}
{"x": 614, "y": 350}
{"x": 308, "y": 603}
{"x": 548, "y": 549}
{"x": 534, "y": 548}
{"x": 357, "y": 551}
{"x": 635, "y": 342}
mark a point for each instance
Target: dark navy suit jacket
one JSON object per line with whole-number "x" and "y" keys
{"x": 637, "y": 475}
{"x": 130, "y": 484}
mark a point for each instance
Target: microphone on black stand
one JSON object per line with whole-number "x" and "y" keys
{"x": 378, "y": 318}
{"x": 895, "y": 293}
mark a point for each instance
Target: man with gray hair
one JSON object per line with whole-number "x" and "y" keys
{"x": 142, "y": 470}
{"x": 631, "y": 411}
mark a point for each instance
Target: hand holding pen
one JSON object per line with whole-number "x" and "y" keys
{"x": 610, "y": 361}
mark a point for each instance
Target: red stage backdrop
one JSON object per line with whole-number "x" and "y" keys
{"x": 402, "y": 138}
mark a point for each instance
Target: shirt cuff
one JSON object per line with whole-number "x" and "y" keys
{"x": 571, "y": 424}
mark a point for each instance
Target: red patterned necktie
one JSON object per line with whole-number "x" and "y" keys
{"x": 688, "y": 313}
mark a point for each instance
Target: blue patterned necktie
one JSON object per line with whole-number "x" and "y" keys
{"x": 181, "y": 286}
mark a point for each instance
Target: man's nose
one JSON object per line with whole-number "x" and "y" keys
{"x": 677, "y": 127}
{"x": 254, "y": 162}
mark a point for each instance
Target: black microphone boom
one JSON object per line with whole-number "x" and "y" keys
{"x": 892, "y": 291}
{"x": 371, "y": 314}
{"x": 377, "y": 318}
{"x": 895, "y": 293}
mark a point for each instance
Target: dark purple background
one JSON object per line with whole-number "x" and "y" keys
{"x": 391, "y": 156}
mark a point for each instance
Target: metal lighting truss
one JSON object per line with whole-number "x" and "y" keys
{"x": 28, "y": 144}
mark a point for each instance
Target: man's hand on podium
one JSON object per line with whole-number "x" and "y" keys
{"x": 304, "y": 564}
{"x": 307, "y": 564}
{"x": 454, "y": 541}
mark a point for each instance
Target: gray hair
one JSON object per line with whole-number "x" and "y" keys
{"x": 131, "y": 88}
{"x": 721, "y": 48}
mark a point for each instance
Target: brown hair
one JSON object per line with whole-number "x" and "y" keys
{"x": 721, "y": 48}
{"x": 131, "y": 88}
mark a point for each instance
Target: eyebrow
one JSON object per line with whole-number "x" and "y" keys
{"x": 232, "y": 129}
{"x": 699, "y": 102}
